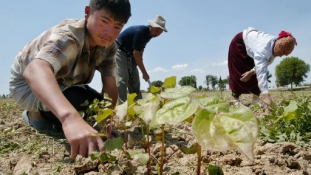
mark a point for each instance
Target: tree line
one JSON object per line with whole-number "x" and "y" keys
{"x": 5, "y": 96}
{"x": 291, "y": 71}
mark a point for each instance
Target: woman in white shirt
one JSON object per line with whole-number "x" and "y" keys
{"x": 250, "y": 53}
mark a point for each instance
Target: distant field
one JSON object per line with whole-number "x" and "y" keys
{"x": 272, "y": 91}
{"x": 3, "y": 100}
{"x": 225, "y": 94}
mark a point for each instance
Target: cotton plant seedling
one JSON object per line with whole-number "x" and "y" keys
{"x": 146, "y": 109}
{"x": 290, "y": 121}
{"x": 102, "y": 114}
{"x": 216, "y": 125}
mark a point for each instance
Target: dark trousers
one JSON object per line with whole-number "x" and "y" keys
{"x": 76, "y": 95}
{"x": 239, "y": 63}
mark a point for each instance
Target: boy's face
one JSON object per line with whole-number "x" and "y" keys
{"x": 102, "y": 28}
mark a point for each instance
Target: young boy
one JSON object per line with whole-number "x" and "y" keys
{"x": 50, "y": 73}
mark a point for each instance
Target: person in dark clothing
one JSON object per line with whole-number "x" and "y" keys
{"x": 131, "y": 43}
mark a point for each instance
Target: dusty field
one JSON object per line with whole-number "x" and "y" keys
{"x": 23, "y": 150}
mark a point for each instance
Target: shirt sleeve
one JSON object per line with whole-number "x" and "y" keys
{"x": 61, "y": 52}
{"x": 259, "y": 46}
{"x": 261, "y": 73}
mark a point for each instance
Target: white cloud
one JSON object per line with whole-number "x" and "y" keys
{"x": 179, "y": 67}
{"x": 221, "y": 64}
{"x": 198, "y": 71}
{"x": 158, "y": 69}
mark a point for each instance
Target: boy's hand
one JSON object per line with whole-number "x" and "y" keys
{"x": 77, "y": 133}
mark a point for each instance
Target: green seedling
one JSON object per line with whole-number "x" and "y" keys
{"x": 289, "y": 121}
{"x": 215, "y": 124}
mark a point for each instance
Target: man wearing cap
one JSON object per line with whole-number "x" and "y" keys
{"x": 131, "y": 43}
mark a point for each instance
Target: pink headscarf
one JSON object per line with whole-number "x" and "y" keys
{"x": 283, "y": 34}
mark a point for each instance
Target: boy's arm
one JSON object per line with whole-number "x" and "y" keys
{"x": 40, "y": 77}
{"x": 110, "y": 87}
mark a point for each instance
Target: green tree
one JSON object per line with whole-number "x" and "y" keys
{"x": 291, "y": 70}
{"x": 157, "y": 83}
{"x": 211, "y": 80}
{"x": 208, "y": 80}
{"x": 221, "y": 84}
{"x": 214, "y": 82}
{"x": 188, "y": 81}
{"x": 200, "y": 87}
{"x": 225, "y": 82}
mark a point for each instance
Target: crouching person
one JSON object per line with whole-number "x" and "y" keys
{"x": 50, "y": 74}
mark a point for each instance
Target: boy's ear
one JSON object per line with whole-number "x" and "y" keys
{"x": 87, "y": 11}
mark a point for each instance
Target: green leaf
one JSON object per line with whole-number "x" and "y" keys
{"x": 105, "y": 157}
{"x": 242, "y": 130}
{"x": 121, "y": 110}
{"x": 206, "y": 101}
{"x": 291, "y": 111}
{"x": 130, "y": 111}
{"x": 105, "y": 113}
{"x": 7, "y": 130}
{"x": 114, "y": 143}
{"x": 85, "y": 103}
{"x": 174, "y": 111}
{"x": 130, "y": 141}
{"x": 147, "y": 98}
{"x": 169, "y": 82}
{"x": 214, "y": 170}
{"x": 158, "y": 169}
{"x": 154, "y": 89}
{"x": 148, "y": 110}
{"x": 237, "y": 129}
{"x": 95, "y": 155}
{"x": 95, "y": 101}
{"x": 205, "y": 131}
{"x": 102, "y": 157}
{"x": 131, "y": 98}
{"x": 220, "y": 107}
{"x": 105, "y": 104}
{"x": 174, "y": 93}
{"x": 139, "y": 156}
{"x": 94, "y": 107}
{"x": 191, "y": 150}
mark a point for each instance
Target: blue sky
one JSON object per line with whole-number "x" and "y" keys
{"x": 197, "y": 41}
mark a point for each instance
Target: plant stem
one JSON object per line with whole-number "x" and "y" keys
{"x": 125, "y": 134}
{"x": 148, "y": 150}
{"x": 199, "y": 158}
{"x": 142, "y": 129}
{"x": 162, "y": 151}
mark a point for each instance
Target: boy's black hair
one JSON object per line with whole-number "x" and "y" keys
{"x": 120, "y": 10}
